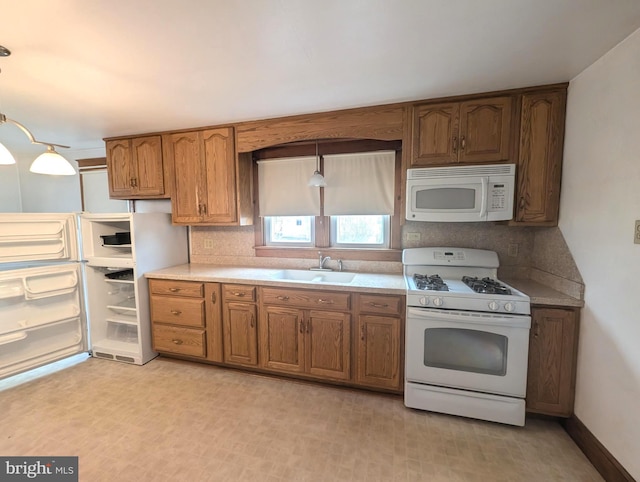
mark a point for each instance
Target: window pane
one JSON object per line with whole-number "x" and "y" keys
{"x": 290, "y": 230}
{"x": 355, "y": 231}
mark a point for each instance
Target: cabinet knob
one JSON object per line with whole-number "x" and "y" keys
{"x": 283, "y": 298}
{"x": 213, "y": 297}
{"x": 174, "y": 290}
{"x": 326, "y": 302}
{"x": 455, "y": 144}
{"x": 378, "y": 305}
{"x": 177, "y": 342}
{"x": 176, "y": 312}
{"x": 463, "y": 143}
{"x": 362, "y": 333}
{"x": 238, "y": 294}
{"x": 301, "y": 326}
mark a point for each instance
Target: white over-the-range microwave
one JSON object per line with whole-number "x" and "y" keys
{"x": 461, "y": 193}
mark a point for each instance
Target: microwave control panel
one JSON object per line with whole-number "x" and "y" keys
{"x": 497, "y": 196}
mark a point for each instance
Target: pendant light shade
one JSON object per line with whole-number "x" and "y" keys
{"x": 317, "y": 180}
{"x": 5, "y": 156}
{"x": 52, "y": 163}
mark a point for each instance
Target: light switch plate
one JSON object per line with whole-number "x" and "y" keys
{"x": 513, "y": 250}
{"x": 413, "y": 236}
{"x": 208, "y": 244}
{"x": 636, "y": 232}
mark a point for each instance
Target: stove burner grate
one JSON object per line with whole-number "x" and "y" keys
{"x": 432, "y": 283}
{"x": 485, "y": 285}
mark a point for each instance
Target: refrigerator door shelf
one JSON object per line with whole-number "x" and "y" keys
{"x": 50, "y": 284}
{"x": 125, "y": 261}
{"x": 37, "y": 346}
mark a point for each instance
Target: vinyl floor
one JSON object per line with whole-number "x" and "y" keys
{"x": 178, "y": 421}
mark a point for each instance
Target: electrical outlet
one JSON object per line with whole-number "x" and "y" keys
{"x": 208, "y": 243}
{"x": 636, "y": 236}
{"x": 513, "y": 250}
{"x": 413, "y": 236}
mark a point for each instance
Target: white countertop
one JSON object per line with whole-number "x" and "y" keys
{"x": 383, "y": 283}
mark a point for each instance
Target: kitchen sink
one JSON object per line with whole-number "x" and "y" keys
{"x": 314, "y": 276}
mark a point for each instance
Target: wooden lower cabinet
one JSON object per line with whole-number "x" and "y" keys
{"x": 378, "y": 362}
{"x": 379, "y": 355}
{"x": 309, "y": 342}
{"x": 337, "y": 336}
{"x": 553, "y": 347}
{"x": 240, "y": 328}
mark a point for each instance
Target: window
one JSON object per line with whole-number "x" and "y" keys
{"x": 371, "y": 231}
{"x": 355, "y": 215}
{"x": 289, "y": 230}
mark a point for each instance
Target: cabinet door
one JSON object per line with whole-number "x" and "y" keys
{"x": 213, "y": 320}
{"x": 435, "y": 134}
{"x": 120, "y": 168}
{"x": 378, "y": 355}
{"x": 187, "y": 201}
{"x": 240, "y": 334}
{"x": 327, "y": 344}
{"x": 282, "y": 332}
{"x": 485, "y": 130}
{"x": 540, "y": 157}
{"x": 220, "y": 175}
{"x": 552, "y": 361}
{"x": 148, "y": 178}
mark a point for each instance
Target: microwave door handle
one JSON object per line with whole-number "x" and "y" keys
{"x": 483, "y": 204}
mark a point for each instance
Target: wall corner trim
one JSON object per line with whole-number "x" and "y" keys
{"x": 604, "y": 462}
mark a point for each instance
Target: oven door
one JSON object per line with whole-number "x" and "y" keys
{"x": 483, "y": 352}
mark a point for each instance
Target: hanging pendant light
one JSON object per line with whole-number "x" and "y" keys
{"x": 49, "y": 162}
{"x": 317, "y": 180}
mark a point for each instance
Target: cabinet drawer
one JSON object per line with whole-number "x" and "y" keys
{"x": 177, "y": 311}
{"x": 178, "y": 288}
{"x": 239, "y": 293}
{"x": 183, "y": 341}
{"x": 386, "y": 305}
{"x": 306, "y": 298}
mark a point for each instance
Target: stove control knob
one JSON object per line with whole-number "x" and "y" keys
{"x": 494, "y": 305}
{"x": 508, "y": 306}
{"x": 424, "y": 301}
{"x": 438, "y": 301}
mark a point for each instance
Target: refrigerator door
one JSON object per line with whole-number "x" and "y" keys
{"x": 42, "y": 317}
{"x": 26, "y": 237}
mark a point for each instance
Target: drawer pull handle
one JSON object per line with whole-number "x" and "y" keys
{"x": 378, "y": 305}
{"x": 177, "y": 342}
{"x": 301, "y": 326}
{"x": 283, "y": 298}
{"x": 176, "y": 312}
{"x": 174, "y": 290}
{"x": 326, "y": 302}
{"x": 213, "y": 297}
{"x": 362, "y": 335}
{"x": 239, "y": 294}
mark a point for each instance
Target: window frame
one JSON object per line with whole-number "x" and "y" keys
{"x": 333, "y": 235}
{"x": 283, "y": 244}
{"x": 322, "y": 223}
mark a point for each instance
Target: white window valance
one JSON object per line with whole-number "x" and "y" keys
{"x": 359, "y": 184}
{"x": 283, "y": 189}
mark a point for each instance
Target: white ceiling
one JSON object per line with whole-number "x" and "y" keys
{"x": 81, "y": 70}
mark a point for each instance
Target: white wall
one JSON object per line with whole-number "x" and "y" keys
{"x": 10, "y": 200}
{"x": 600, "y": 201}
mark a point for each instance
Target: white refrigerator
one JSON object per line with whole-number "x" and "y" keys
{"x": 74, "y": 283}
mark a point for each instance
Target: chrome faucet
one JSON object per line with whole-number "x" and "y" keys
{"x": 321, "y": 262}
{"x": 339, "y": 265}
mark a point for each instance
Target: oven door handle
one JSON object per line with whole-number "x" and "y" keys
{"x": 515, "y": 321}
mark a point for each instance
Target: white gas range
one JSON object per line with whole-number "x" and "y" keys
{"x": 467, "y": 336}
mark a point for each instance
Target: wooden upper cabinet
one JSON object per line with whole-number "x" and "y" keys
{"x": 135, "y": 168}
{"x": 553, "y": 347}
{"x": 462, "y": 132}
{"x": 207, "y": 190}
{"x": 540, "y": 158}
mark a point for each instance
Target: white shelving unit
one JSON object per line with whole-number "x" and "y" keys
{"x": 118, "y": 308}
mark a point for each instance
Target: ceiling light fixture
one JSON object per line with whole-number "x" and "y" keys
{"x": 316, "y": 180}
{"x": 49, "y": 162}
